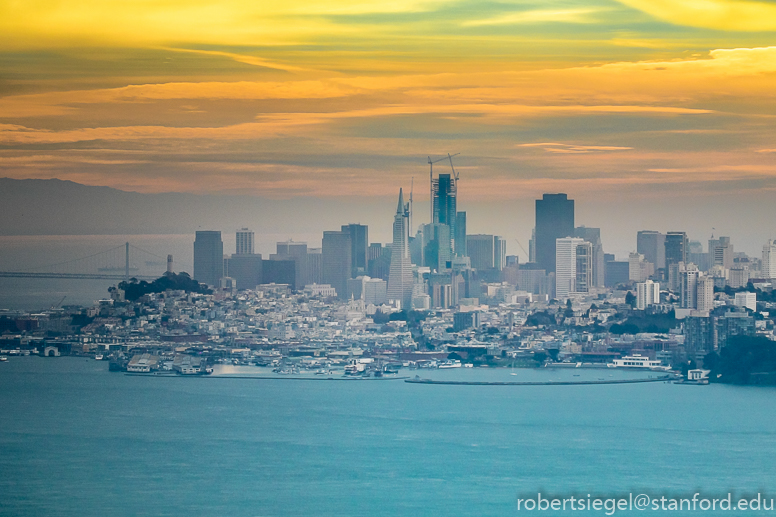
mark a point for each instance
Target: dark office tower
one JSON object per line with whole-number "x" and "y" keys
{"x": 336, "y": 265}
{"x": 676, "y": 248}
{"x": 208, "y": 257}
{"x": 554, "y": 220}
{"x": 380, "y": 266}
{"x": 279, "y": 272}
{"x": 314, "y": 272}
{"x": 246, "y": 270}
{"x": 359, "y": 244}
{"x": 445, "y": 194}
{"x": 296, "y": 251}
{"x": 460, "y": 234}
{"x": 652, "y": 245}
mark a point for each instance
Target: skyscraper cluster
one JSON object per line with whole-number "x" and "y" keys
{"x": 441, "y": 265}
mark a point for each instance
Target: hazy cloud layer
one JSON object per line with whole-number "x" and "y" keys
{"x": 631, "y": 99}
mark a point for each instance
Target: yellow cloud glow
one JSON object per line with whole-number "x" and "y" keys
{"x": 731, "y": 15}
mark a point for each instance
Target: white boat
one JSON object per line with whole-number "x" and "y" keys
{"x": 3, "y": 358}
{"x": 98, "y": 357}
{"x": 637, "y": 361}
{"x": 450, "y": 364}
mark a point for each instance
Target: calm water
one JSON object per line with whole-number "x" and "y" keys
{"x": 78, "y": 440}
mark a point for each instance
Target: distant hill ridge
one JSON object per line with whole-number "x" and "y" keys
{"x": 62, "y": 207}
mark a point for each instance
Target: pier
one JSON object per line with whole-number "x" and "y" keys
{"x": 664, "y": 378}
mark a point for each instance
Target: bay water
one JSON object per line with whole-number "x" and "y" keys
{"x": 78, "y": 440}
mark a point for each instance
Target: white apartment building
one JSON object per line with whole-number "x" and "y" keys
{"x": 647, "y": 293}
{"x": 573, "y": 267}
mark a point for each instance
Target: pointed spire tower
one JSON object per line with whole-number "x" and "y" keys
{"x": 400, "y": 275}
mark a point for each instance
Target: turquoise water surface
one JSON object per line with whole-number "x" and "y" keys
{"x": 78, "y": 440}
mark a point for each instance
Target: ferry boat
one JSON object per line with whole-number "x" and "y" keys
{"x": 450, "y": 364}
{"x": 3, "y": 358}
{"x": 637, "y": 361}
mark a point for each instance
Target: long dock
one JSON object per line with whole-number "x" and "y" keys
{"x": 665, "y": 378}
{"x": 266, "y": 377}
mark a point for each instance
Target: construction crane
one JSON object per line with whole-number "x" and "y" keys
{"x": 455, "y": 174}
{"x": 431, "y": 179}
{"x": 528, "y": 255}
{"x": 409, "y": 225}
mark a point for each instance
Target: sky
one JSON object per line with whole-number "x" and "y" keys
{"x": 650, "y": 113}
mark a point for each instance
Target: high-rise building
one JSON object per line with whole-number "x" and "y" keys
{"x": 593, "y": 236}
{"x": 738, "y": 276}
{"x": 675, "y": 248}
{"x": 720, "y": 252}
{"x": 380, "y": 265}
{"x": 652, "y": 245}
{"x": 554, "y": 220}
{"x": 433, "y": 241}
{"x": 359, "y": 243}
{"x": 688, "y": 286}
{"x": 246, "y": 270}
{"x": 733, "y": 323}
{"x": 296, "y": 251}
{"x": 278, "y": 272}
{"x": 532, "y": 246}
{"x": 244, "y": 242}
{"x": 647, "y": 293}
{"x": 566, "y": 274}
{"x": 445, "y": 192}
{"x": 704, "y": 300}
{"x": 208, "y": 257}
{"x": 768, "y": 266}
{"x": 400, "y": 277}
{"x": 314, "y": 269}
{"x": 486, "y": 251}
{"x": 698, "y": 335}
{"x": 617, "y": 271}
{"x": 460, "y": 234}
{"x": 336, "y": 266}
{"x": 638, "y": 268}
{"x": 583, "y": 281}
{"x": 374, "y": 251}
{"x": 499, "y": 253}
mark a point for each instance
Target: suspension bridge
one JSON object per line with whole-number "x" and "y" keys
{"x": 119, "y": 263}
